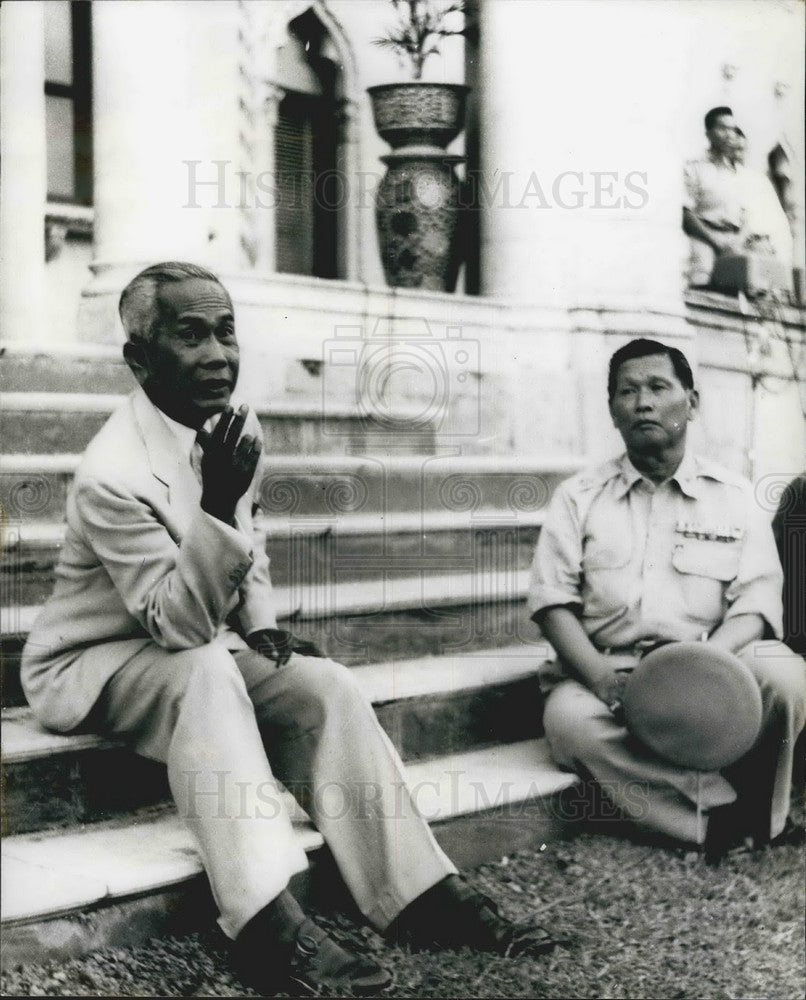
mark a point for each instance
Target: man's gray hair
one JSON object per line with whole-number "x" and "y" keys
{"x": 139, "y": 308}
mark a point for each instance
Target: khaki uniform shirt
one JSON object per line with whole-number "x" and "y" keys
{"x": 733, "y": 198}
{"x": 641, "y": 561}
{"x": 714, "y": 192}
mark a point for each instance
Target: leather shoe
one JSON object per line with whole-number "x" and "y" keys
{"x": 453, "y": 914}
{"x": 792, "y": 835}
{"x": 729, "y": 831}
{"x": 312, "y": 965}
{"x": 725, "y": 833}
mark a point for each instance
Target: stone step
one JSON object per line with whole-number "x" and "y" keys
{"x": 59, "y": 422}
{"x": 369, "y": 638}
{"x": 52, "y": 422}
{"x": 429, "y": 706}
{"x": 426, "y": 592}
{"x": 65, "y": 893}
{"x": 95, "y": 368}
{"x": 356, "y": 547}
{"x": 362, "y": 621}
{"x": 324, "y": 488}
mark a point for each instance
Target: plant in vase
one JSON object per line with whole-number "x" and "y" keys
{"x": 417, "y": 33}
{"x": 417, "y": 208}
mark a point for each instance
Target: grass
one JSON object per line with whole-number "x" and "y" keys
{"x": 640, "y": 922}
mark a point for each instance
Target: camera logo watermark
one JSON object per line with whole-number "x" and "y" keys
{"x": 413, "y": 382}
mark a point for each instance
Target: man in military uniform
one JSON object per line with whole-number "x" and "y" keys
{"x": 728, "y": 207}
{"x": 713, "y": 209}
{"x": 661, "y": 545}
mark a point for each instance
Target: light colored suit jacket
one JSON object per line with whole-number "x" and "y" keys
{"x": 141, "y": 563}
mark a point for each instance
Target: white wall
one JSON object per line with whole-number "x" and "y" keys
{"x": 566, "y": 85}
{"x": 619, "y": 86}
{"x": 573, "y": 88}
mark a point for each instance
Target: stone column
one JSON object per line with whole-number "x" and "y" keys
{"x": 146, "y": 130}
{"x": 581, "y": 194}
{"x": 348, "y": 191}
{"x": 24, "y": 159}
{"x": 144, "y": 133}
{"x": 579, "y": 152}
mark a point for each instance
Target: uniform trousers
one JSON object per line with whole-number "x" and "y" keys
{"x": 584, "y": 736}
{"x": 217, "y": 718}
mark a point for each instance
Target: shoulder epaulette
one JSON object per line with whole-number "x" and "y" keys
{"x": 713, "y": 470}
{"x": 598, "y": 475}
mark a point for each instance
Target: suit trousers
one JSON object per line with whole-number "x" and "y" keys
{"x": 218, "y": 718}
{"x": 584, "y": 736}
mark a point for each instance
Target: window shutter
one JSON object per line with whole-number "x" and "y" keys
{"x": 307, "y": 199}
{"x": 295, "y": 195}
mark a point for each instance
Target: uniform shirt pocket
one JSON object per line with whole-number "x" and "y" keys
{"x": 605, "y": 570}
{"x": 708, "y": 557}
{"x": 611, "y": 553}
{"x": 706, "y": 568}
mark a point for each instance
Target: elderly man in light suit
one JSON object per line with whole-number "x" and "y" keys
{"x": 162, "y": 630}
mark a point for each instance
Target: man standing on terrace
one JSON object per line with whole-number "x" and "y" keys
{"x": 728, "y": 207}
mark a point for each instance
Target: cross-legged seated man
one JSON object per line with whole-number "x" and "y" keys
{"x": 162, "y": 630}
{"x": 661, "y": 545}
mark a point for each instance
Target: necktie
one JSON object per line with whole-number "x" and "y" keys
{"x": 196, "y": 459}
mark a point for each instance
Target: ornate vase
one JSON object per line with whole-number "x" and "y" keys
{"x": 418, "y": 201}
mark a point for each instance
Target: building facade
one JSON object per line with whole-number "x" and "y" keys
{"x": 135, "y": 132}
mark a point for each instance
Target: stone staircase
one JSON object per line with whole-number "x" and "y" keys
{"x": 403, "y": 560}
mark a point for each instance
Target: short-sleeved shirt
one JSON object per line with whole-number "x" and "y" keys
{"x": 714, "y": 191}
{"x": 732, "y": 198}
{"x": 672, "y": 561}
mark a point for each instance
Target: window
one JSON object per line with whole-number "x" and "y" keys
{"x": 305, "y": 140}
{"x": 306, "y": 215}
{"x": 68, "y": 100}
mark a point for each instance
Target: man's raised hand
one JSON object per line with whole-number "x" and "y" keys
{"x": 229, "y": 460}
